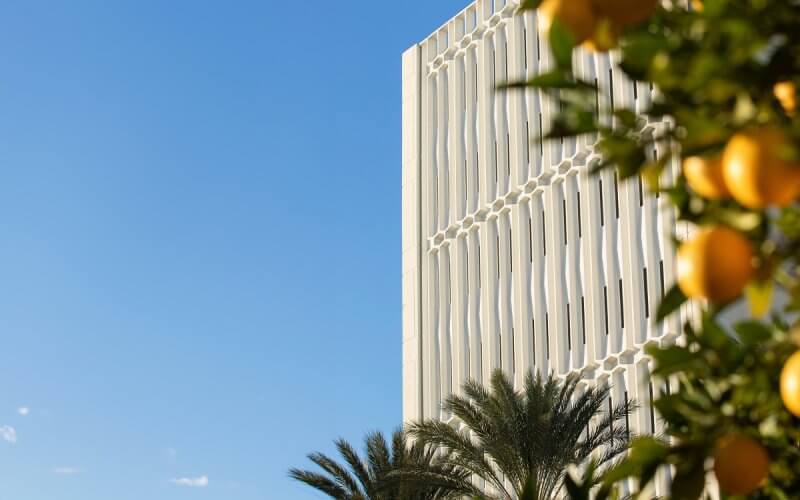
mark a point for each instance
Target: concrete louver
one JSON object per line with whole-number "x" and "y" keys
{"x": 513, "y": 257}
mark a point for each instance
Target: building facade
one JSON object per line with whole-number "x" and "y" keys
{"x": 514, "y": 257}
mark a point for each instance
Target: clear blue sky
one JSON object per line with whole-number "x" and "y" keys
{"x": 199, "y": 240}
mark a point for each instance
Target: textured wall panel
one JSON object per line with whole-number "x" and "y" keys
{"x": 514, "y": 257}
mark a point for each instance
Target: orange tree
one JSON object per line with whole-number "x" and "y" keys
{"x": 725, "y": 74}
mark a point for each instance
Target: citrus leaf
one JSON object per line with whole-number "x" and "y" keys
{"x": 671, "y": 302}
{"x": 752, "y": 332}
{"x": 689, "y": 483}
{"x": 529, "y": 5}
{"x": 562, "y": 41}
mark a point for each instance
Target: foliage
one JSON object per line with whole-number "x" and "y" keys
{"x": 381, "y": 475}
{"x": 526, "y": 439}
{"x": 717, "y": 69}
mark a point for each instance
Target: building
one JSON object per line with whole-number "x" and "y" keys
{"x": 512, "y": 256}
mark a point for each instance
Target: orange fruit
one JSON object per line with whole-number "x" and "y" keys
{"x": 790, "y": 384}
{"x": 786, "y": 93}
{"x": 697, "y": 5}
{"x": 625, "y": 12}
{"x": 576, "y": 15}
{"x": 756, "y": 171}
{"x": 741, "y": 464}
{"x": 715, "y": 264}
{"x": 704, "y": 176}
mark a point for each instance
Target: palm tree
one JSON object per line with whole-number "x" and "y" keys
{"x": 523, "y": 441}
{"x": 382, "y": 475}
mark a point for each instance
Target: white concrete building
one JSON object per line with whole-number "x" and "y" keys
{"x": 513, "y": 256}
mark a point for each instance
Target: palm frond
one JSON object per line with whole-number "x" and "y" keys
{"x": 528, "y": 436}
{"x": 321, "y": 483}
{"x": 339, "y": 474}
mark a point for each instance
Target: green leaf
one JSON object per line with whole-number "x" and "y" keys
{"x": 529, "y": 5}
{"x": 646, "y": 453}
{"x": 562, "y": 41}
{"x": 554, "y": 79}
{"x": 789, "y": 221}
{"x": 671, "y": 302}
{"x": 752, "y": 332}
{"x": 713, "y": 335}
{"x": 689, "y": 483}
{"x": 674, "y": 358}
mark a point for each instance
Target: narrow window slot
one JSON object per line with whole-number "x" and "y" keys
{"x": 641, "y": 192}
{"x": 541, "y": 137}
{"x": 646, "y": 294}
{"x": 505, "y": 53}
{"x": 449, "y": 283}
{"x": 580, "y": 222}
{"x": 655, "y": 160}
{"x": 569, "y": 330}
{"x": 533, "y": 336}
{"x": 661, "y": 273}
{"x": 605, "y": 304}
{"x": 596, "y": 98}
{"x": 583, "y": 319}
{"x": 611, "y": 87}
{"x": 527, "y": 142}
{"x": 564, "y": 218}
{"x": 621, "y": 307}
{"x": 547, "y": 333}
{"x": 544, "y": 234}
{"x": 525, "y": 46}
{"x": 616, "y": 194}
{"x": 602, "y": 212}
{"x": 627, "y": 418}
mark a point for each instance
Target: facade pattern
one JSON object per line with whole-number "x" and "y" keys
{"x": 514, "y": 257}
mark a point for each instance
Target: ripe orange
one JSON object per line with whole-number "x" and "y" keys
{"x": 625, "y": 12}
{"x": 704, "y": 176}
{"x": 697, "y": 5}
{"x": 715, "y": 264}
{"x": 790, "y": 384}
{"x": 786, "y": 93}
{"x": 576, "y": 15}
{"x": 741, "y": 464}
{"x": 756, "y": 171}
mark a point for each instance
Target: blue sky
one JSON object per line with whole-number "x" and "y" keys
{"x": 199, "y": 240}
